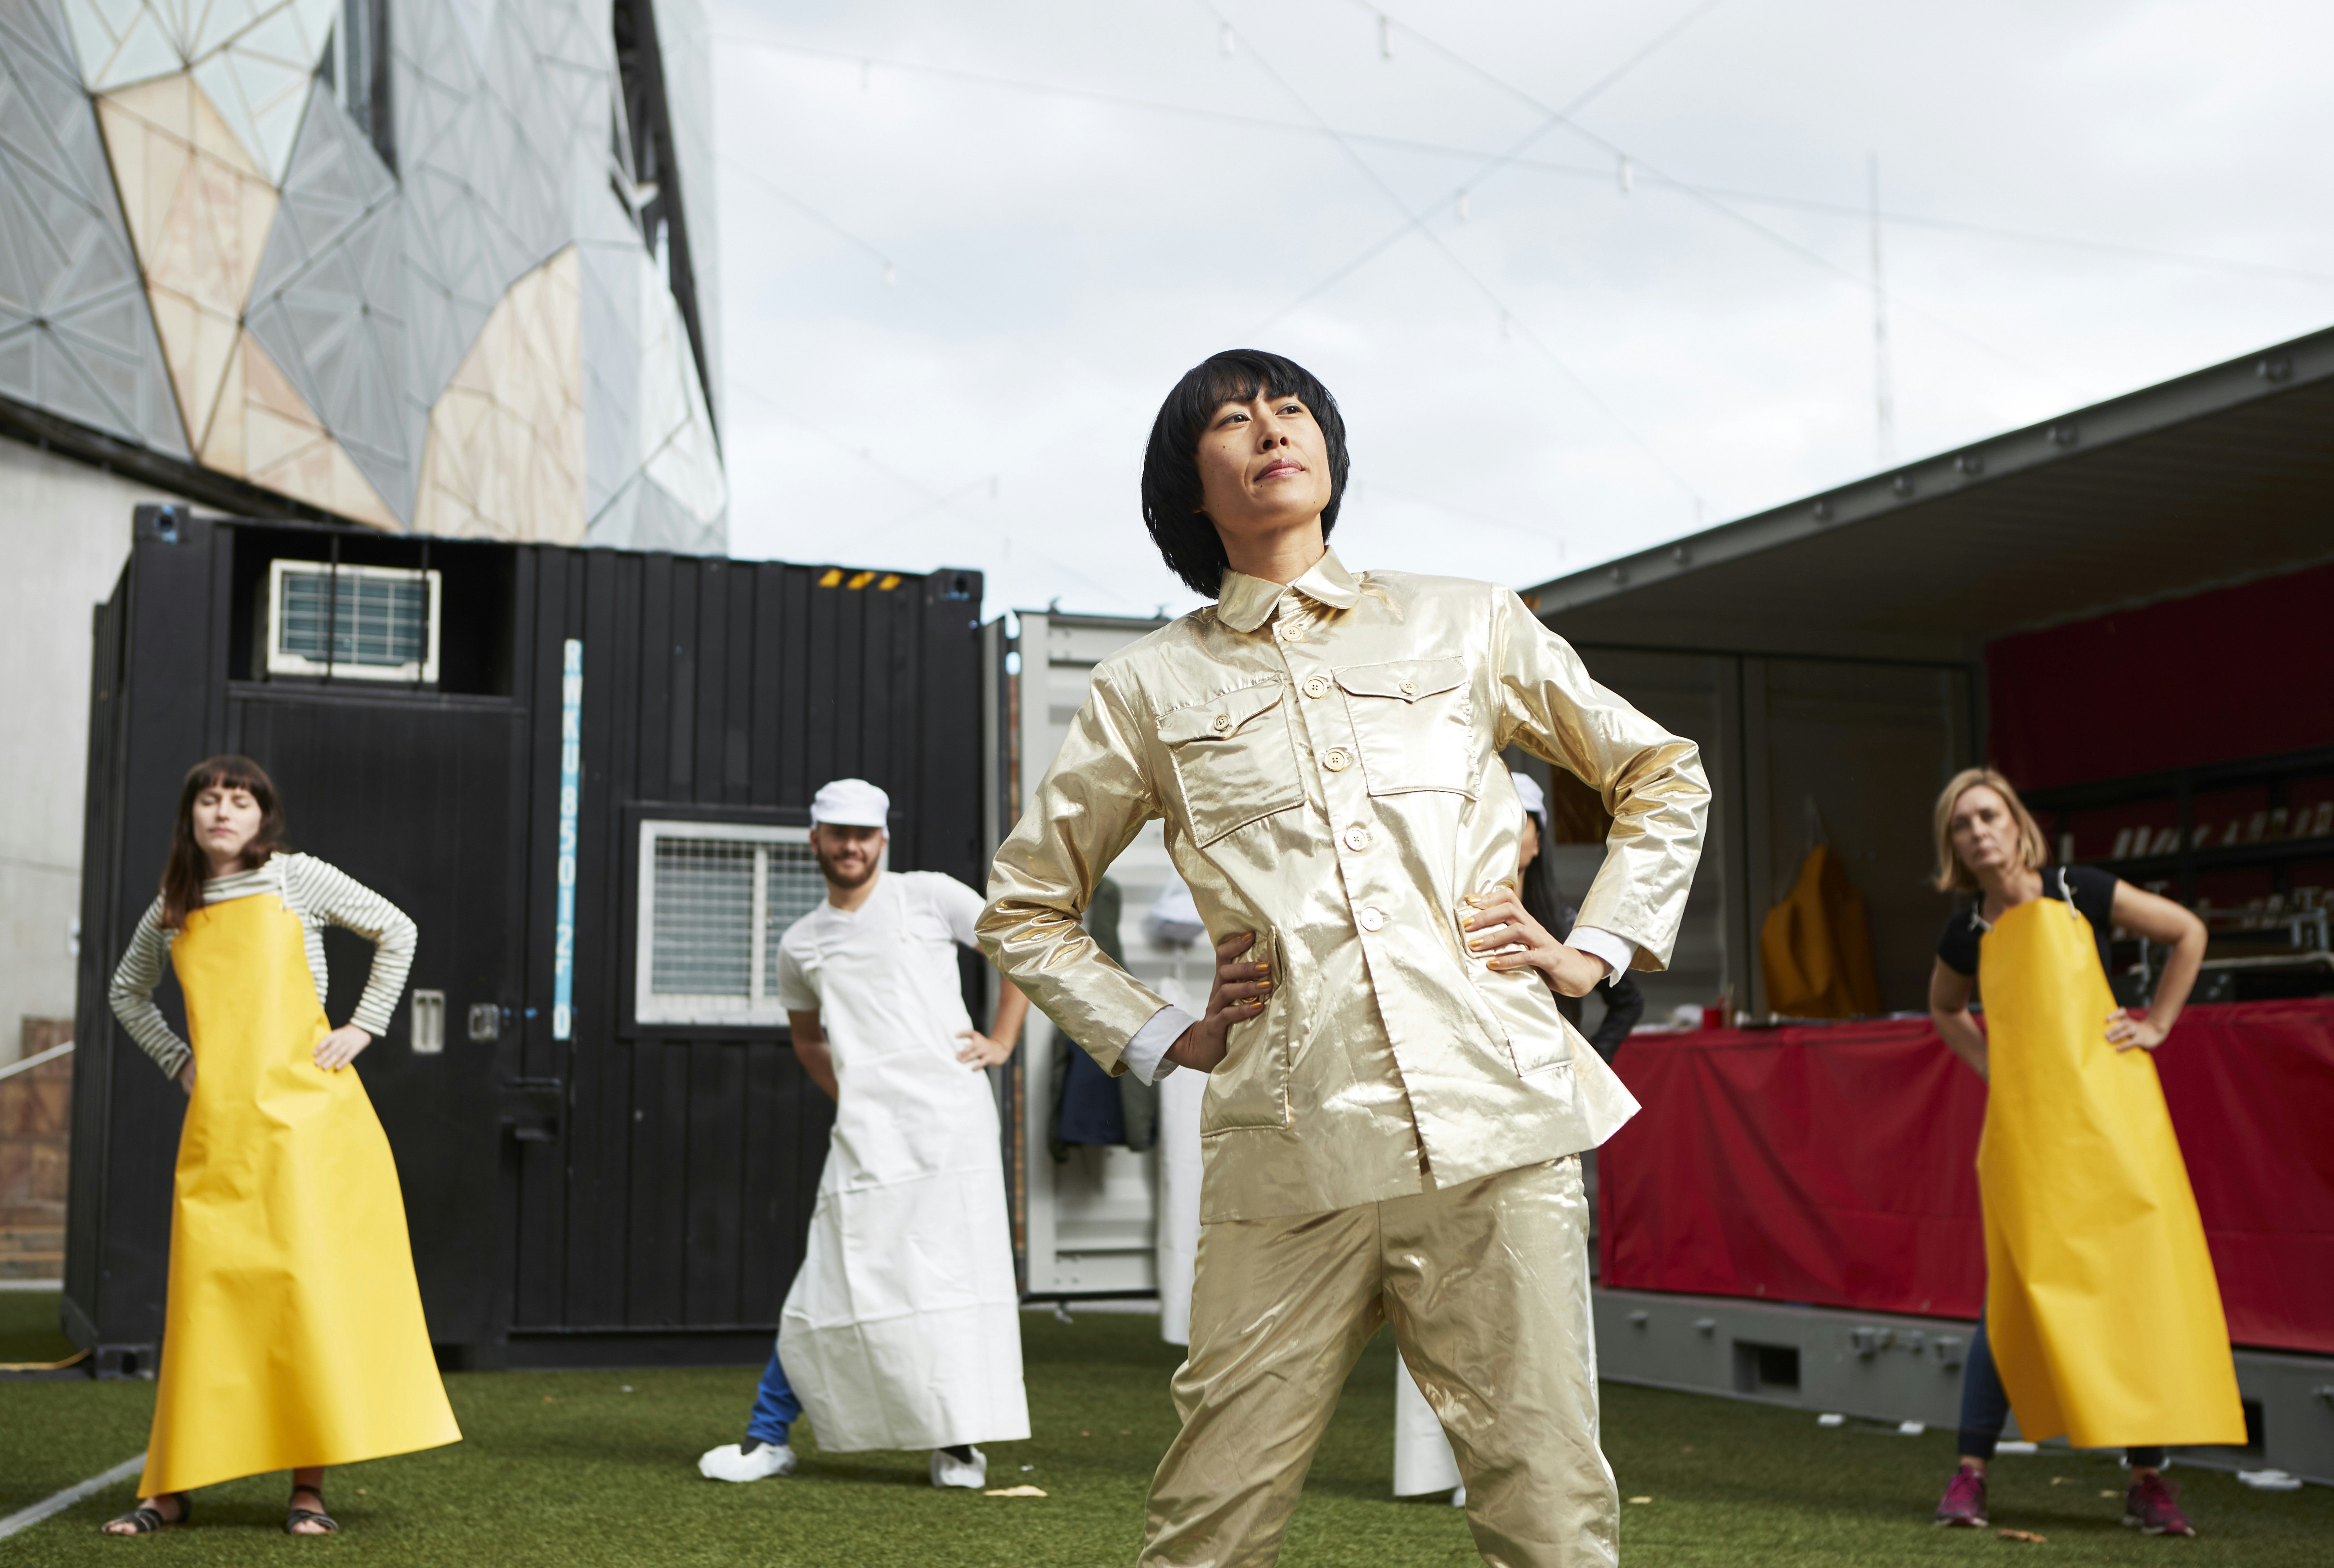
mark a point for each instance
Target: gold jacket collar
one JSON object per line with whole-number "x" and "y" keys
{"x": 1245, "y": 602}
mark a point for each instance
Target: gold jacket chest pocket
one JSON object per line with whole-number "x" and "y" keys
{"x": 1235, "y": 758}
{"x": 1414, "y": 723}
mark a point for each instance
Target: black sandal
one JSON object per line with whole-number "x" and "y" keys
{"x": 298, "y": 1516}
{"x": 145, "y": 1518}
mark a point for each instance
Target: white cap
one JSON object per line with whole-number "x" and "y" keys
{"x": 850, "y": 802}
{"x": 1527, "y": 791}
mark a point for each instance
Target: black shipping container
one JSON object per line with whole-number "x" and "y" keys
{"x": 637, "y": 1193}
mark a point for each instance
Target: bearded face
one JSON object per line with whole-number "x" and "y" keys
{"x": 847, "y": 856}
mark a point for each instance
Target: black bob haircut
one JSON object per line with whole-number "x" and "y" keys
{"x": 1174, "y": 508}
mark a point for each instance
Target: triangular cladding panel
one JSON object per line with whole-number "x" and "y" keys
{"x": 201, "y": 212}
{"x": 58, "y": 200}
{"x": 612, "y": 357}
{"x": 504, "y": 456}
{"x": 265, "y": 432}
{"x": 329, "y": 304}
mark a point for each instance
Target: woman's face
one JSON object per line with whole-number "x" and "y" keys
{"x": 1264, "y": 468}
{"x": 1984, "y": 833}
{"x": 226, "y": 819}
{"x": 1529, "y": 843}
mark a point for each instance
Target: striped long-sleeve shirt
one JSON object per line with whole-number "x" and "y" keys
{"x": 318, "y": 895}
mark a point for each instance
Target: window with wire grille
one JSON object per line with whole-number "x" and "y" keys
{"x": 715, "y": 898}
{"x": 365, "y": 622}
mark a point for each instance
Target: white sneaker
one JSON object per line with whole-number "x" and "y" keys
{"x": 1459, "y": 1497}
{"x": 731, "y": 1462}
{"x": 948, "y": 1472}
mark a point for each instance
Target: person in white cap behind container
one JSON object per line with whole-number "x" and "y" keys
{"x": 903, "y": 1327}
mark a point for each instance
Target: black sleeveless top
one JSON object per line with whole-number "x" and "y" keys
{"x": 2091, "y": 890}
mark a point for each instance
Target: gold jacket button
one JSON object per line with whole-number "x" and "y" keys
{"x": 1408, "y": 688}
{"x": 1223, "y": 724}
{"x": 1358, "y": 838}
{"x": 1372, "y": 918}
{"x": 1316, "y": 685}
{"x": 1336, "y": 759}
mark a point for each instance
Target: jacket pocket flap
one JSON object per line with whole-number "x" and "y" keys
{"x": 1408, "y": 679}
{"x": 1220, "y": 716}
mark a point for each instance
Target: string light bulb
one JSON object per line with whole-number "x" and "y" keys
{"x": 1628, "y": 176}
{"x": 890, "y": 273}
{"x": 1463, "y": 206}
{"x": 1385, "y": 36}
{"x": 1230, "y": 40}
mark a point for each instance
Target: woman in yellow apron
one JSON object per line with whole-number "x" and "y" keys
{"x": 2103, "y": 1318}
{"x": 293, "y": 1338}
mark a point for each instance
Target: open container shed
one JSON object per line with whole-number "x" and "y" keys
{"x": 2126, "y": 610}
{"x": 2119, "y": 605}
{"x": 587, "y": 774}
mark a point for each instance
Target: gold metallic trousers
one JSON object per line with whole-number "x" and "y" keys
{"x": 1487, "y": 1287}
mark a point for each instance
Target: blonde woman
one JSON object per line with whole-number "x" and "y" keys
{"x": 2102, "y": 1319}
{"x": 292, "y": 1334}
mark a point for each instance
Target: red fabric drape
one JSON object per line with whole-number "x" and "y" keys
{"x": 1836, "y": 1166}
{"x": 2254, "y": 675}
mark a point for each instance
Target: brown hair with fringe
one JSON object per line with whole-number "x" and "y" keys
{"x": 184, "y": 873}
{"x": 1952, "y": 876}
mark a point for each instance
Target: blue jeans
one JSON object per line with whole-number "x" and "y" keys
{"x": 1985, "y": 1408}
{"x": 775, "y": 1405}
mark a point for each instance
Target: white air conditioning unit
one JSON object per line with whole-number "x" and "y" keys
{"x": 351, "y": 623}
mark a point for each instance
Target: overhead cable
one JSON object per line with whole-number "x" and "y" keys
{"x": 1507, "y": 315}
{"x": 1706, "y": 199}
{"x": 1637, "y": 175}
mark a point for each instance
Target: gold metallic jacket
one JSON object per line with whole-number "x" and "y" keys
{"x": 1326, "y": 759}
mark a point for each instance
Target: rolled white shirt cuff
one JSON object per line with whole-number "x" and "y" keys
{"x": 1616, "y": 951}
{"x": 1146, "y": 1055}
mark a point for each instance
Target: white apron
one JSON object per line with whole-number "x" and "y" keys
{"x": 1423, "y": 1460}
{"x": 903, "y": 1327}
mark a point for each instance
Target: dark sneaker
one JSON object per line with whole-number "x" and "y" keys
{"x": 2149, "y": 1505}
{"x": 1964, "y": 1501}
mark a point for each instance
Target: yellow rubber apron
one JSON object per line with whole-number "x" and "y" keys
{"x": 293, "y": 1333}
{"x": 2101, "y": 1305}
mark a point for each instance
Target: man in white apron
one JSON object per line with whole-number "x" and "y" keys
{"x": 903, "y": 1327}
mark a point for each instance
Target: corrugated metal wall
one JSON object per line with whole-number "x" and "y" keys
{"x": 655, "y": 1205}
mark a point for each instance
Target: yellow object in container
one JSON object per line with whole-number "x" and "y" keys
{"x": 1816, "y": 946}
{"x": 294, "y": 1334}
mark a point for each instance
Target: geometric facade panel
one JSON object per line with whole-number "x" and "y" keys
{"x": 685, "y": 38}
{"x": 646, "y": 416}
{"x": 202, "y": 252}
{"x": 327, "y": 301}
{"x": 501, "y": 123}
{"x": 678, "y": 449}
{"x": 199, "y": 210}
{"x": 263, "y": 430}
{"x": 75, "y": 336}
{"x": 255, "y": 58}
{"x": 503, "y": 458}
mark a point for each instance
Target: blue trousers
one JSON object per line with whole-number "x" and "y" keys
{"x": 1985, "y": 1408}
{"x": 776, "y": 1408}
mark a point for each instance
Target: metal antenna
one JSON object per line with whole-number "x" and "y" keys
{"x": 1883, "y": 397}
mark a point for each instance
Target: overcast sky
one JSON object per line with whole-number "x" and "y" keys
{"x": 967, "y": 248}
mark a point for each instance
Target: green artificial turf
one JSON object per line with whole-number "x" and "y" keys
{"x": 570, "y": 1469}
{"x": 28, "y": 1327}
